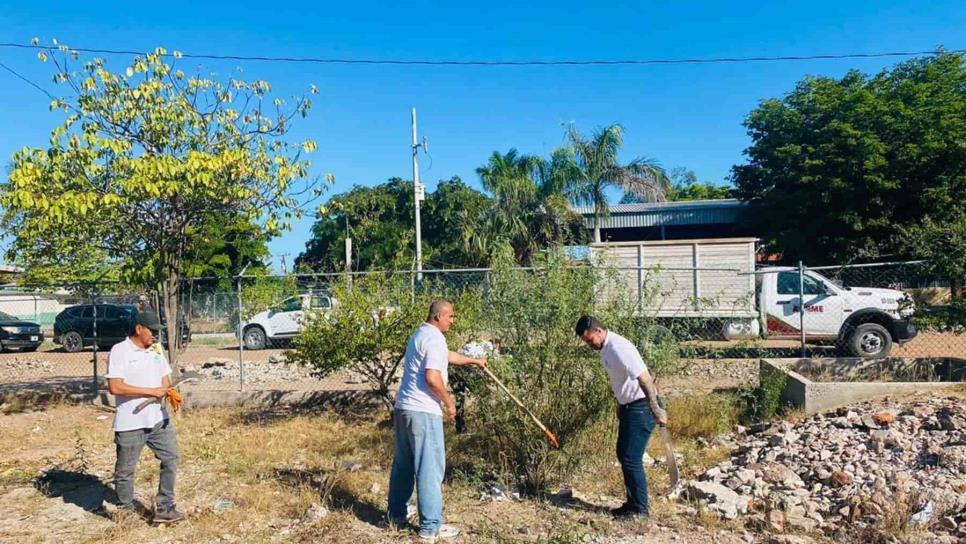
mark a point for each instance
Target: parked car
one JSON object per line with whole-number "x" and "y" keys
{"x": 16, "y": 333}
{"x": 283, "y": 321}
{"x": 74, "y": 327}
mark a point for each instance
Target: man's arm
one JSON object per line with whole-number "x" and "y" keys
{"x": 117, "y": 386}
{"x": 647, "y": 384}
{"x": 459, "y": 359}
{"x": 434, "y": 380}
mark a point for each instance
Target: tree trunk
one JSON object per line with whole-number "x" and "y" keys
{"x": 956, "y": 288}
{"x": 172, "y": 310}
{"x": 596, "y": 227}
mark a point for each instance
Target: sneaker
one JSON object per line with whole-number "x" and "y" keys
{"x": 170, "y": 515}
{"x": 445, "y": 532}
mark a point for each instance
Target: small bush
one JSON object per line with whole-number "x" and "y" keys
{"x": 366, "y": 332}
{"x": 764, "y": 402}
{"x": 950, "y": 318}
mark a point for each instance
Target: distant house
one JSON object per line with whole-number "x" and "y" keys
{"x": 684, "y": 220}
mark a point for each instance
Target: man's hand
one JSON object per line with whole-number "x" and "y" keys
{"x": 660, "y": 414}
{"x": 159, "y": 392}
{"x": 481, "y": 362}
{"x": 451, "y": 412}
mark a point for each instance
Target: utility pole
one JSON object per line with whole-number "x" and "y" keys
{"x": 419, "y": 194}
{"x": 284, "y": 267}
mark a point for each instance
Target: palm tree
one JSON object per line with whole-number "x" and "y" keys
{"x": 596, "y": 168}
{"x": 529, "y": 209}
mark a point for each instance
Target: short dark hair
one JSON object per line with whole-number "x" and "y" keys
{"x": 587, "y": 322}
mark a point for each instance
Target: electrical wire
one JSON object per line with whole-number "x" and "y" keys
{"x": 482, "y": 62}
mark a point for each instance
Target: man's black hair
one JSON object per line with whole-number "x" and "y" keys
{"x": 587, "y": 322}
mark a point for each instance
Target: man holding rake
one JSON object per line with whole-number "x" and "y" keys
{"x": 638, "y": 409}
{"x": 420, "y": 457}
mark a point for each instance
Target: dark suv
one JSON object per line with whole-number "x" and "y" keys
{"x": 19, "y": 334}
{"x": 74, "y": 327}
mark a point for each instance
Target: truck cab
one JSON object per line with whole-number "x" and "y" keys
{"x": 864, "y": 321}
{"x": 283, "y": 321}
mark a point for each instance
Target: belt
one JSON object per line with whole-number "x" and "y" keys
{"x": 634, "y": 402}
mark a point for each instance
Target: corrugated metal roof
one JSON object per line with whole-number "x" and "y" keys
{"x": 653, "y": 214}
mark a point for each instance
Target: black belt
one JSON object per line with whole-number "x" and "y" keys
{"x": 632, "y": 403}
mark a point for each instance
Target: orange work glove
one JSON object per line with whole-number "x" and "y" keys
{"x": 175, "y": 399}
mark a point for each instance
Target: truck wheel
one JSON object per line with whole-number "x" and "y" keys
{"x": 254, "y": 338}
{"x": 72, "y": 342}
{"x": 870, "y": 340}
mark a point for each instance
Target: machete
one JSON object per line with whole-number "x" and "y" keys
{"x": 672, "y": 461}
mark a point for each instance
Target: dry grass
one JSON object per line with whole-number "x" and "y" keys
{"x": 273, "y": 467}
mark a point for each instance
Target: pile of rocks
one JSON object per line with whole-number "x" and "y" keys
{"x": 27, "y": 366}
{"x": 870, "y": 466}
{"x": 738, "y": 370}
{"x": 277, "y": 369}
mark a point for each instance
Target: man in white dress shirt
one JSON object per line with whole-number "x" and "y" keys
{"x": 638, "y": 409}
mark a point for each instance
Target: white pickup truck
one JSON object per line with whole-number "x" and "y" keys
{"x": 283, "y": 321}
{"x": 716, "y": 278}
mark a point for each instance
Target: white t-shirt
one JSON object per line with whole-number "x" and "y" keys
{"x": 140, "y": 368}
{"x": 426, "y": 350}
{"x": 623, "y": 364}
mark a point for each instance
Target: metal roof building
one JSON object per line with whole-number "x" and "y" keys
{"x": 669, "y": 220}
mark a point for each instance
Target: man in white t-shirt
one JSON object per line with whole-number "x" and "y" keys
{"x": 420, "y": 457}
{"x": 638, "y": 408}
{"x": 137, "y": 369}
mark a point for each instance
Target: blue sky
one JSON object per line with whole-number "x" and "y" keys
{"x": 682, "y": 115}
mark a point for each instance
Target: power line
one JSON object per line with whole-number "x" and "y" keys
{"x": 525, "y": 62}
{"x": 28, "y": 81}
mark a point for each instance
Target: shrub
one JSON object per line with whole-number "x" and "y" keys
{"x": 702, "y": 416}
{"x": 763, "y": 402}
{"x": 366, "y": 332}
{"x": 530, "y": 317}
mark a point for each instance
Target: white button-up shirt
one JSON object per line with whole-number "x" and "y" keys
{"x": 623, "y": 364}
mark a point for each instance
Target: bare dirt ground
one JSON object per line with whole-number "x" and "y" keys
{"x": 266, "y": 470}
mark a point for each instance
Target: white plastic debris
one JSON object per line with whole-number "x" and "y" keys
{"x": 923, "y": 516}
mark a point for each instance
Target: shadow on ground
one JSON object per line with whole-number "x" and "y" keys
{"x": 77, "y": 488}
{"x": 333, "y": 490}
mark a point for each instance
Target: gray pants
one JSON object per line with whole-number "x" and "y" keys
{"x": 164, "y": 443}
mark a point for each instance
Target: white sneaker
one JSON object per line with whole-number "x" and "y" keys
{"x": 445, "y": 533}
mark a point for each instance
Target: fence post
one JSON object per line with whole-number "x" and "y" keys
{"x": 94, "y": 309}
{"x": 801, "y": 306}
{"x": 241, "y": 339}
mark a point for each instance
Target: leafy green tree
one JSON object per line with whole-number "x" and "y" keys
{"x": 596, "y": 167}
{"x": 845, "y": 169}
{"x": 445, "y": 212}
{"x": 529, "y": 210}
{"x": 380, "y": 221}
{"x": 228, "y": 244}
{"x": 144, "y": 157}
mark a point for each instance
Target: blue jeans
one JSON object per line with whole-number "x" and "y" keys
{"x": 421, "y": 460}
{"x": 636, "y": 423}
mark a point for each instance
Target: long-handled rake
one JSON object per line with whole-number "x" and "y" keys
{"x": 546, "y": 431}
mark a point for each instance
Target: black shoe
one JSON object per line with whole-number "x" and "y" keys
{"x": 628, "y": 513}
{"x": 170, "y": 515}
{"x": 620, "y": 510}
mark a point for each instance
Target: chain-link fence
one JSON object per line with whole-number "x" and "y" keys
{"x": 56, "y": 337}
